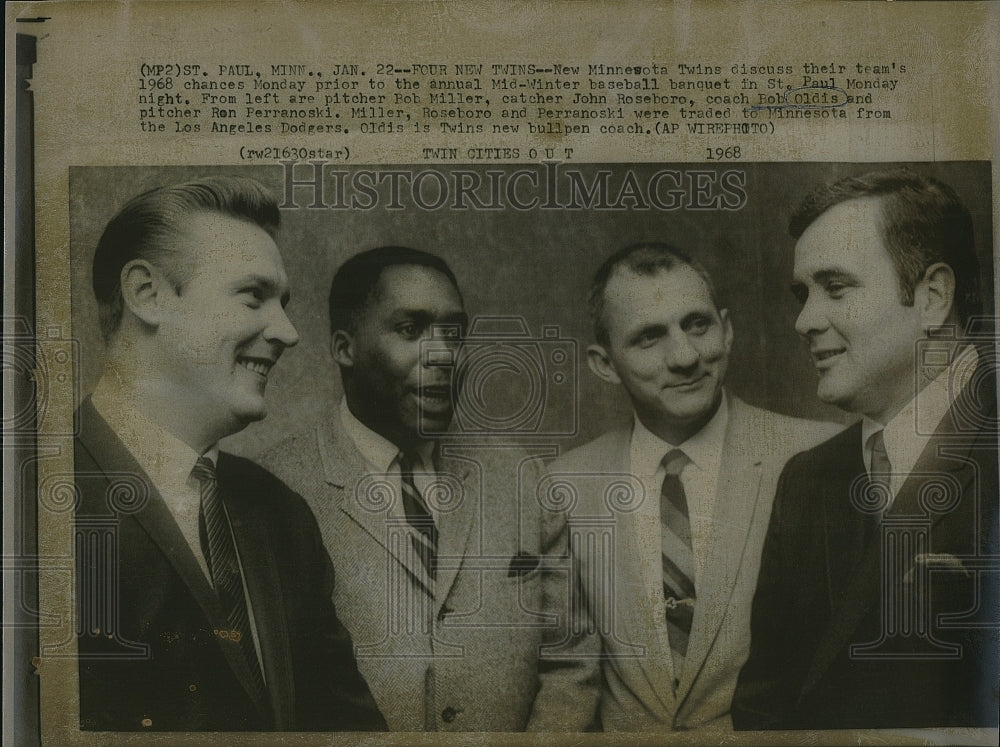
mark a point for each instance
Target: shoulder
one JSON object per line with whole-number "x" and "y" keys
{"x": 828, "y": 457}
{"x": 299, "y": 446}
{"x": 604, "y": 451}
{"x": 256, "y": 484}
{"x": 772, "y": 434}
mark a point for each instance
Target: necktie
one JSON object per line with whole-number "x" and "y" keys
{"x": 220, "y": 554}
{"x": 678, "y": 557}
{"x": 881, "y": 467}
{"x": 879, "y": 475}
{"x": 425, "y": 541}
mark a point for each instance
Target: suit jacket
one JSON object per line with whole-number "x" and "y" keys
{"x": 463, "y": 658}
{"x": 151, "y": 646}
{"x": 613, "y": 660}
{"x": 824, "y": 588}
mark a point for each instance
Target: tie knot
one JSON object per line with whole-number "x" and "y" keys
{"x": 675, "y": 461}
{"x": 878, "y": 441}
{"x": 204, "y": 470}
{"x": 408, "y": 461}
{"x": 880, "y": 464}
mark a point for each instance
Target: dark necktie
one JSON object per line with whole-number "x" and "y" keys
{"x": 425, "y": 541}
{"x": 678, "y": 558}
{"x": 879, "y": 475}
{"x": 223, "y": 566}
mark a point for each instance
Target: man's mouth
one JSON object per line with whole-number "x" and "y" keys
{"x": 259, "y": 366}
{"x": 435, "y": 395}
{"x": 688, "y": 383}
{"x": 822, "y": 356}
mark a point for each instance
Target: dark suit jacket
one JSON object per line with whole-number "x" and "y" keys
{"x": 823, "y": 588}
{"x": 151, "y": 657}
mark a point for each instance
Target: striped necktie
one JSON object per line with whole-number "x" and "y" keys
{"x": 219, "y": 548}
{"x": 425, "y": 540}
{"x": 678, "y": 558}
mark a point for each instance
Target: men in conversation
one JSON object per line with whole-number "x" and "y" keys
{"x": 659, "y": 611}
{"x": 203, "y": 589}
{"x": 877, "y": 604}
{"x": 436, "y": 553}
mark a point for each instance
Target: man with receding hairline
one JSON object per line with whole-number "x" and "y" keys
{"x": 658, "y": 613}
{"x": 203, "y": 589}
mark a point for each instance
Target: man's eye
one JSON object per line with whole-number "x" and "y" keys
{"x": 836, "y": 290}
{"x": 698, "y": 326}
{"x": 409, "y": 330}
{"x": 252, "y": 296}
{"x": 646, "y": 339}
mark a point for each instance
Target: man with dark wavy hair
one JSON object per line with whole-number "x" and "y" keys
{"x": 875, "y": 606}
{"x": 203, "y": 590}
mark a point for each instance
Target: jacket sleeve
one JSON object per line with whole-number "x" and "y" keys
{"x": 763, "y": 696}
{"x": 331, "y": 693}
{"x": 569, "y": 662}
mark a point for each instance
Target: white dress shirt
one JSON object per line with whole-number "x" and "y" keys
{"x": 381, "y": 455}
{"x": 700, "y": 477}
{"x": 907, "y": 434}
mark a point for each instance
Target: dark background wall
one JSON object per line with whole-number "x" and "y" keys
{"x": 535, "y": 264}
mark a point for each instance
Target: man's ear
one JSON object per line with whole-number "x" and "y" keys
{"x": 727, "y": 329}
{"x": 144, "y": 291}
{"x": 602, "y": 365}
{"x": 934, "y": 296}
{"x": 342, "y": 348}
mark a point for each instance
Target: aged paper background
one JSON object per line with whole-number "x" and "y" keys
{"x": 101, "y": 99}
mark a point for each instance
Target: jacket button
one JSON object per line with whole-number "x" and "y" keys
{"x": 448, "y": 714}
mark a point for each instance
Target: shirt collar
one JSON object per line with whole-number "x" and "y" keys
{"x": 377, "y": 450}
{"x": 704, "y": 448}
{"x": 908, "y": 432}
{"x": 165, "y": 459}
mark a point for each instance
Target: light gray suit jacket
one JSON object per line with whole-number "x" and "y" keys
{"x": 613, "y": 659}
{"x": 464, "y": 658}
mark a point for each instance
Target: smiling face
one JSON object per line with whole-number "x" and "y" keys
{"x": 387, "y": 385}
{"x": 861, "y": 336}
{"x": 220, "y": 334}
{"x": 668, "y": 345}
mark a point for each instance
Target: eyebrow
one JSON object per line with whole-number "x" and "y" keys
{"x": 823, "y": 276}
{"x": 267, "y": 284}
{"x": 425, "y": 317}
{"x": 646, "y": 329}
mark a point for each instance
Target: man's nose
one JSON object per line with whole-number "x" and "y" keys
{"x": 811, "y": 319}
{"x": 280, "y": 328}
{"x": 438, "y": 351}
{"x": 680, "y": 353}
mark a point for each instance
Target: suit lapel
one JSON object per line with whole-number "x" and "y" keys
{"x": 264, "y": 588}
{"x": 158, "y": 522}
{"x": 861, "y": 584}
{"x": 735, "y": 502}
{"x": 359, "y": 494}
{"x": 154, "y": 517}
{"x": 638, "y": 606}
{"x": 454, "y": 527}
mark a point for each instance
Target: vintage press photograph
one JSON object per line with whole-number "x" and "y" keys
{"x": 550, "y": 447}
